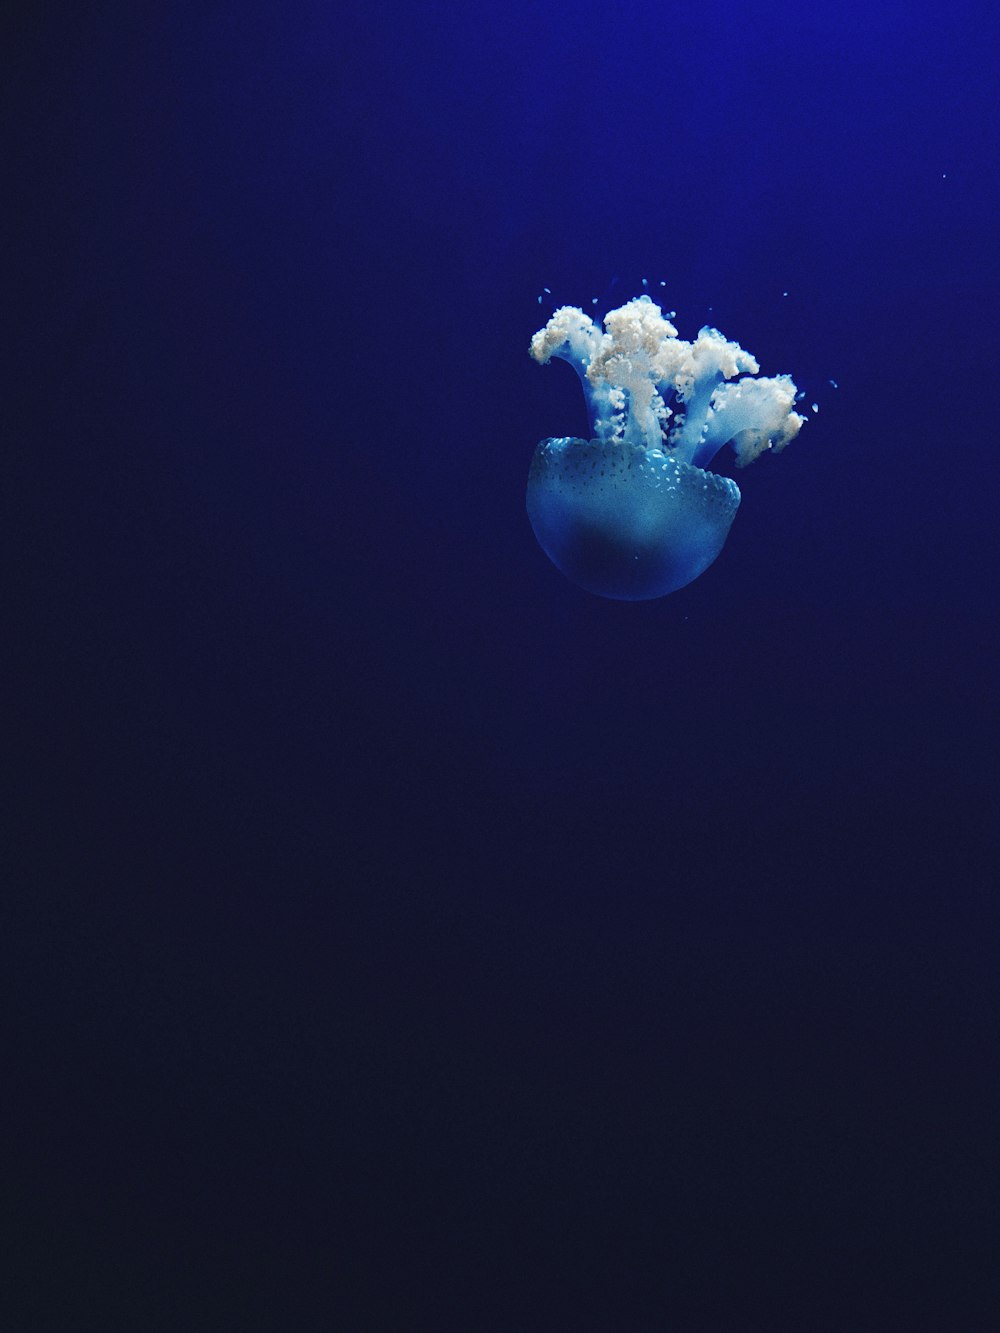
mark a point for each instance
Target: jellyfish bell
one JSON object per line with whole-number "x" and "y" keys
{"x": 624, "y": 521}
{"x": 635, "y": 513}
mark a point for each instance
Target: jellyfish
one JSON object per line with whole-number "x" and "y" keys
{"x": 635, "y": 512}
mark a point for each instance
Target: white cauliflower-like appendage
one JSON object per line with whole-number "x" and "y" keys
{"x": 632, "y": 370}
{"x": 713, "y": 356}
{"x": 636, "y": 333}
{"x": 569, "y": 334}
{"x": 754, "y": 415}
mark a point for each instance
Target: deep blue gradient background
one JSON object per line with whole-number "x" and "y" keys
{"x": 396, "y": 937}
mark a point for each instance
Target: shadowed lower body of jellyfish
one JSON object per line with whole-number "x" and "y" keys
{"x": 626, "y": 521}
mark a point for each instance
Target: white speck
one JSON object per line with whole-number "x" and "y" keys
{"x": 539, "y": 300}
{"x": 593, "y": 300}
{"x": 835, "y": 384}
{"x": 662, "y": 283}
{"x": 547, "y": 290}
{"x": 645, "y": 282}
{"x": 784, "y": 293}
{"x": 815, "y": 407}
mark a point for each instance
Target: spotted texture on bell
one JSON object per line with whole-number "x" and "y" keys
{"x": 624, "y": 521}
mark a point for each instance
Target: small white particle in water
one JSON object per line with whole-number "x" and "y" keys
{"x": 835, "y": 384}
{"x": 815, "y": 407}
{"x": 784, "y": 293}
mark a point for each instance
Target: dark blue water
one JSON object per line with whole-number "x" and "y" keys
{"x": 396, "y": 936}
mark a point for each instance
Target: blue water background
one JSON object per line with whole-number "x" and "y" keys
{"x": 399, "y": 936}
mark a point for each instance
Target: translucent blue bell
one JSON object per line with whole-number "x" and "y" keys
{"x": 625, "y": 521}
